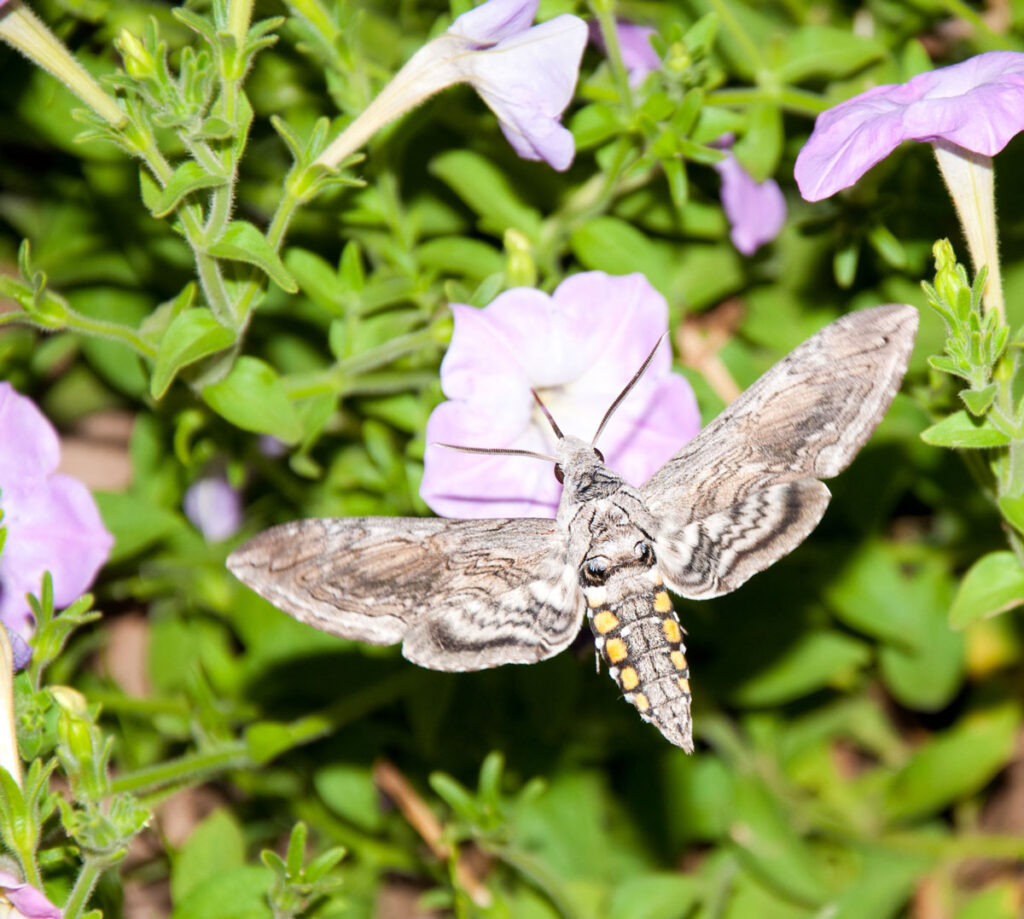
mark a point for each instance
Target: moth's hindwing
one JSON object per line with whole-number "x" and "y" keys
{"x": 743, "y": 492}
{"x": 458, "y": 594}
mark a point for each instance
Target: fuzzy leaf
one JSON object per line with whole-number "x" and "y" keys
{"x": 187, "y": 178}
{"x": 992, "y": 585}
{"x": 192, "y": 335}
{"x": 252, "y": 397}
{"x": 978, "y": 400}
{"x": 955, "y": 764}
{"x": 242, "y": 242}
{"x": 960, "y": 431}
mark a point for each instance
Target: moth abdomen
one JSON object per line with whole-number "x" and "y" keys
{"x": 642, "y": 641}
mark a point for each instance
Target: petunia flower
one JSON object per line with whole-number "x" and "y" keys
{"x": 52, "y": 521}
{"x": 756, "y": 210}
{"x": 638, "y": 57}
{"x": 578, "y": 348}
{"x": 526, "y": 75}
{"x": 968, "y": 112}
{"x": 214, "y": 508}
{"x": 28, "y": 902}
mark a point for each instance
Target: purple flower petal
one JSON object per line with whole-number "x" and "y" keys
{"x": 638, "y": 56}
{"x": 52, "y": 521}
{"x": 31, "y": 903}
{"x": 527, "y": 80}
{"x": 21, "y": 653}
{"x": 494, "y": 21}
{"x": 756, "y": 210}
{"x": 578, "y": 348}
{"x": 977, "y": 104}
{"x": 214, "y": 508}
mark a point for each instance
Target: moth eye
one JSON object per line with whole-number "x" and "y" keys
{"x": 559, "y": 474}
{"x": 599, "y": 454}
{"x": 644, "y": 553}
{"x": 595, "y": 571}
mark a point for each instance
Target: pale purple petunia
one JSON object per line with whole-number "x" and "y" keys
{"x": 526, "y": 75}
{"x": 52, "y": 521}
{"x": 214, "y": 508}
{"x": 29, "y": 902}
{"x": 977, "y": 105}
{"x": 638, "y": 56}
{"x": 756, "y": 210}
{"x": 578, "y": 347}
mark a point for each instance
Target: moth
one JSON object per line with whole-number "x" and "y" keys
{"x": 472, "y": 594}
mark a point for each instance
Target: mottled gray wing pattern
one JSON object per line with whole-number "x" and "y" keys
{"x": 805, "y": 419}
{"x": 713, "y": 556}
{"x": 458, "y": 594}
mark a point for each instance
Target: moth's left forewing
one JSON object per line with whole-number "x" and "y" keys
{"x": 751, "y": 473}
{"x": 458, "y": 594}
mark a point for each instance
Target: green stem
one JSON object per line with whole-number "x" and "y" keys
{"x": 190, "y": 216}
{"x": 975, "y": 845}
{"x": 84, "y": 884}
{"x": 233, "y": 755}
{"x": 346, "y": 710}
{"x": 115, "y": 702}
{"x": 604, "y": 11}
{"x": 792, "y": 100}
{"x": 98, "y": 327}
{"x": 733, "y": 26}
{"x": 113, "y": 330}
{"x": 537, "y": 874}
{"x": 349, "y": 376}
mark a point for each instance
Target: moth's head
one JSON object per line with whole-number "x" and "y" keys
{"x": 575, "y": 458}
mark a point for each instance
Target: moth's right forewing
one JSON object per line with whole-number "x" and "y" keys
{"x": 807, "y": 416}
{"x": 459, "y": 594}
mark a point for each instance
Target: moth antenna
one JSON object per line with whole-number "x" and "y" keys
{"x": 625, "y": 392}
{"x": 502, "y": 451}
{"x": 547, "y": 414}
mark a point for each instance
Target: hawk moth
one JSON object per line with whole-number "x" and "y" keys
{"x": 471, "y": 594}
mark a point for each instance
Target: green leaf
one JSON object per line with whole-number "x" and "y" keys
{"x": 618, "y": 247}
{"x": 487, "y": 191}
{"x": 215, "y": 846}
{"x": 187, "y": 178}
{"x": 350, "y": 792}
{"x": 192, "y": 335}
{"x": 885, "y": 880}
{"x": 470, "y": 258}
{"x": 961, "y": 431}
{"x": 927, "y": 676}
{"x": 265, "y": 740}
{"x": 978, "y": 400}
{"x": 653, "y": 895}
{"x": 992, "y": 585}
{"x": 817, "y": 660}
{"x": 318, "y": 280}
{"x": 242, "y": 242}
{"x": 954, "y": 765}
{"x": 253, "y": 398}
{"x": 825, "y": 51}
{"x": 240, "y": 893}
{"x": 1012, "y": 510}
{"x": 593, "y": 125}
{"x": 769, "y": 846}
{"x": 135, "y": 523}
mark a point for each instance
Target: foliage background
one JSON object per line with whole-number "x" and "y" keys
{"x": 857, "y": 756}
